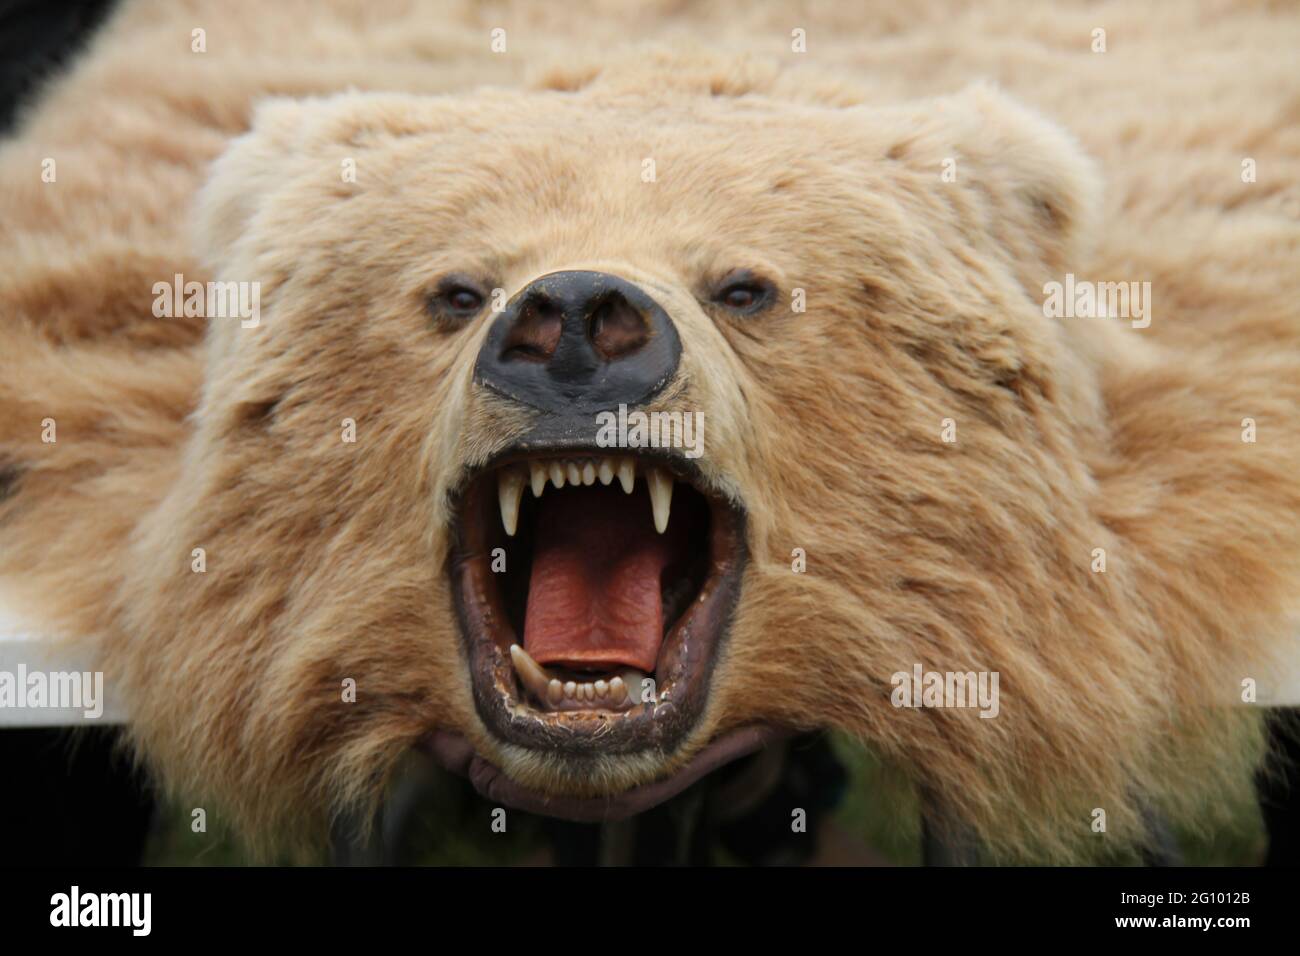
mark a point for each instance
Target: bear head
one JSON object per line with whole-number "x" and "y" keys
{"x": 434, "y": 514}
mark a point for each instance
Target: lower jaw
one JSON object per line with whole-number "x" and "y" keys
{"x": 453, "y": 752}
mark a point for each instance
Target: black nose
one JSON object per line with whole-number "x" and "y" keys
{"x": 579, "y": 342}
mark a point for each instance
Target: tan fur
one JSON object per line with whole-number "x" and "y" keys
{"x": 326, "y": 560}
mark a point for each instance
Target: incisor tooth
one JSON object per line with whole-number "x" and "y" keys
{"x": 510, "y": 488}
{"x": 573, "y": 474}
{"x": 606, "y": 471}
{"x": 588, "y": 473}
{"x": 538, "y": 474}
{"x": 627, "y": 474}
{"x": 661, "y": 496}
{"x": 557, "y": 474}
{"x": 619, "y": 693}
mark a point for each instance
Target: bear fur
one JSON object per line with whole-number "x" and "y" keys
{"x": 326, "y": 560}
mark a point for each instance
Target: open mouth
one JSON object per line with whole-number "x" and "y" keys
{"x": 593, "y": 592}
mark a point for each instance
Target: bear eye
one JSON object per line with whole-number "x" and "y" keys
{"x": 464, "y": 300}
{"x": 457, "y": 299}
{"x": 743, "y": 293}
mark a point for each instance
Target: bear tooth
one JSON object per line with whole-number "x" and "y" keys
{"x": 617, "y": 690}
{"x": 606, "y": 471}
{"x": 631, "y": 679}
{"x": 588, "y": 473}
{"x": 555, "y": 691}
{"x": 602, "y": 689}
{"x": 627, "y": 474}
{"x": 538, "y": 474}
{"x": 588, "y": 692}
{"x": 661, "y": 496}
{"x": 573, "y": 474}
{"x": 557, "y": 474}
{"x": 570, "y": 689}
{"x": 510, "y": 488}
{"x": 533, "y": 674}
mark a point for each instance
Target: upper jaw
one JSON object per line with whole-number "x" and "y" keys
{"x": 683, "y": 667}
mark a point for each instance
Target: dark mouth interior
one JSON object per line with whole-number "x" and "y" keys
{"x": 591, "y": 590}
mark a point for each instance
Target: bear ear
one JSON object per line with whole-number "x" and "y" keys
{"x": 287, "y": 138}
{"x": 250, "y": 168}
{"x": 1032, "y": 189}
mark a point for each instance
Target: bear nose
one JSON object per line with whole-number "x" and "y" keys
{"x": 577, "y": 342}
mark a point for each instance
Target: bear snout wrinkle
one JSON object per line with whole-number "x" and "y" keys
{"x": 579, "y": 341}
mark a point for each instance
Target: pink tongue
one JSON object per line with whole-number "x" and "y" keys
{"x": 594, "y": 599}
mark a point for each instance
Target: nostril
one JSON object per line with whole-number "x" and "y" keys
{"x": 536, "y": 332}
{"x": 545, "y": 307}
{"x": 616, "y": 328}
